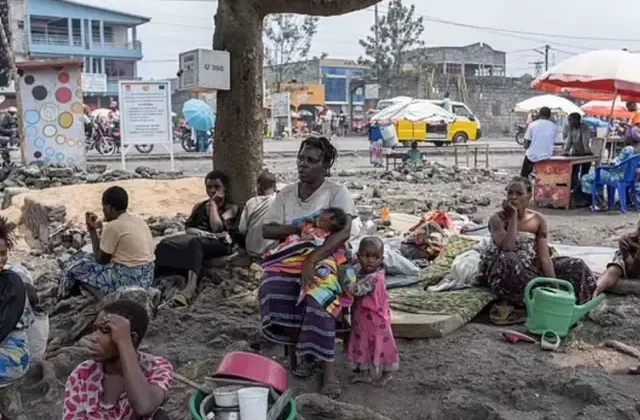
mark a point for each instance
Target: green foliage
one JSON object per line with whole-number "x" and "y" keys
{"x": 390, "y": 48}
{"x": 288, "y": 40}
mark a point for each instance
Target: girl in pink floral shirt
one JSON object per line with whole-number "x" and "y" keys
{"x": 119, "y": 383}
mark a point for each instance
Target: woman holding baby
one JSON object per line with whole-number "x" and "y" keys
{"x": 288, "y": 317}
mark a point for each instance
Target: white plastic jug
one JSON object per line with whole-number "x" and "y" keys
{"x": 254, "y": 403}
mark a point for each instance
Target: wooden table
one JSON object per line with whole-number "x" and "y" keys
{"x": 553, "y": 184}
{"x": 393, "y": 157}
{"x": 467, "y": 149}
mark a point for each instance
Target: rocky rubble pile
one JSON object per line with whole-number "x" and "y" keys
{"x": 41, "y": 177}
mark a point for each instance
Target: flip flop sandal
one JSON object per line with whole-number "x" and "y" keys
{"x": 515, "y": 337}
{"x": 305, "y": 370}
{"x": 180, "y": 301}
{"x": 331, "y": 390}
{"x": 550, "y": 341}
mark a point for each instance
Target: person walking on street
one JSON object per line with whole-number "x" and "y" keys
{"x": 541, "y": 135}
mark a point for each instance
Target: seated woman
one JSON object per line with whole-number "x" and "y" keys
{"x": 122, "y": 255}
{"x": 119, "y": 382}
{"x": 519, "y": 252}
{"x": 625, "y": 264}
{"x": 613, "y": 175}
{"x": 307, "y": 326}
{"x": 206, "y": 237}
{"x": 15, "y": 315}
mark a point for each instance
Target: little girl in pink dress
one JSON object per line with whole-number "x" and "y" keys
{"x": 372, "y": 347}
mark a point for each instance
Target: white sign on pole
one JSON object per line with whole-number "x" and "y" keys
{"x": 280, "y": 105}
{"x": 145, "y": 115}
{"x": 94, "y": 82}
{"x": 280, "y": 108}
{"x": 371, "y": 91}
{"x": 205, "y": 69}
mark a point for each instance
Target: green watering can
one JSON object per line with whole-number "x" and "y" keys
{"x": 554, "y": 309}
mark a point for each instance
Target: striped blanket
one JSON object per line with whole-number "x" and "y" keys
{"x": 328, "y": 290}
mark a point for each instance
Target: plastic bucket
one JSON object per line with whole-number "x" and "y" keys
{"x": 254, "y": 403}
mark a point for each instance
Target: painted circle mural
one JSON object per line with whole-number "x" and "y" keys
{"x": 80, "y": 143}
{"x": 39, "y": 142}
{"x": 50, "y": 151}
{"x": 70, "y": 160}
{"x": 60, "y": 139}
{"x": 29, "y": 79}
{"x": 37, "y": 154}
{"x": 71, "y": 142}
{"x": 49, "y": 130}
{"x": 40, "y": 93}
{"x": 63, "y": 77}
{"x": 79, "y": 93}
{"x": 31, "y": 131}
{"x": 31, "y": 116}
{"x": 77, "y": 108}
{"x": 65, "y": 120}
{"x": 60, "y": 156}
{"x": 49, "y": 112}
{"x": 63, "y": 95}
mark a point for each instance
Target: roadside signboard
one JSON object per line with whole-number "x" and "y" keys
{"x": 145, "y": 115}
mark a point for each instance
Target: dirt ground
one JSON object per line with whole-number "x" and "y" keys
{"x": 471, "y": 374}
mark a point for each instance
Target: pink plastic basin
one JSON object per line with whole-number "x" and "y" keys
{"x": 253, "y": 367}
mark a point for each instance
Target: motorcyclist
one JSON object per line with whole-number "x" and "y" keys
{"x": 114, "y": 115}
{"x": 9, "y": 125}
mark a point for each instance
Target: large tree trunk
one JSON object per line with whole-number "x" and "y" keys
{"x": 239, "y": 131}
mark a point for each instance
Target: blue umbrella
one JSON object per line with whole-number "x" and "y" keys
{"x": 199, "y": 115}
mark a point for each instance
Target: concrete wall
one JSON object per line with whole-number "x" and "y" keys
{"x": 19, "y": 41}
{"x": 492, "y": 99}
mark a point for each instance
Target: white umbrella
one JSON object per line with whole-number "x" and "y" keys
{"x": 553, "y": 102}
{"x": 603, "y": 71}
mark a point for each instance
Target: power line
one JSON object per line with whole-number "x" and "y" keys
{"x": 514, "y": 31}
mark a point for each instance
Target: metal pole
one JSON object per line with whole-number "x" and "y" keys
{"x": 546, "y": 57}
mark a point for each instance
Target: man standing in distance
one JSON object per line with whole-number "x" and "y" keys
{"x": 541, "y": 135}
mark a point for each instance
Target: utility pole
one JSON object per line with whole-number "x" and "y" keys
{"x": 546, "y": 57}
{"x": 538, "y": 67}
{"x": 375, "y": 24}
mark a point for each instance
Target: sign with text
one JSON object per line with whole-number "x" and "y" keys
{"x": 371, "y": 91}
{"x": 145, "y": 115}
{"x": 145, "y": 112}
{"x": 280, "y": 105}
{"x": 205, "y": 70}
{"x": 94, "y": 82}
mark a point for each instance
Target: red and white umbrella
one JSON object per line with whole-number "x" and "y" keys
{"x": 614, "y": 72}
{"x": 615, "y": 109}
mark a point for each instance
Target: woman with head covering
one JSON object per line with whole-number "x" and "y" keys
{"x": 289, "y": 317}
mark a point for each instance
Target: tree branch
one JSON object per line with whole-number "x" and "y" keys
{"x": 315, "y": 7}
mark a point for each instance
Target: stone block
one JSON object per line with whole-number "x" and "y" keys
{"x": 43, "y": 218}
{"x": 407, "y": 325}
{"x": 11, "y": 192}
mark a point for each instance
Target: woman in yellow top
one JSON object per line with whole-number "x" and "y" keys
{"x": 123, "y": 254}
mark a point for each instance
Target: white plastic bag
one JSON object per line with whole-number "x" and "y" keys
{"x": 37, "y": 337}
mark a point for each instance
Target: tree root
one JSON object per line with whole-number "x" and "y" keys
{"x": 319, "y": 407}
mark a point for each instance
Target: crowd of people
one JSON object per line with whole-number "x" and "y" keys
{"x": 312, "y": 279}
{"x": 540, "y": 141}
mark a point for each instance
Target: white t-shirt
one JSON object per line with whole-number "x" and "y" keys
{"x": 289, "y": 209}
{"x": 542, "y": 134}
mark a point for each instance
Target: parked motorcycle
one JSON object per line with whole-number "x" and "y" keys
{"x": 189, "y": 144}
{"x": 111, "y": 141}
{"x": 520, "y": 132}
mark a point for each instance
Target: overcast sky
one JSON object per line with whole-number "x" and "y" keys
{"x": 571, "y": 26}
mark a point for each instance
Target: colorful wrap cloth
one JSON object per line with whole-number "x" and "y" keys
{"x": 289, "y": 258}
